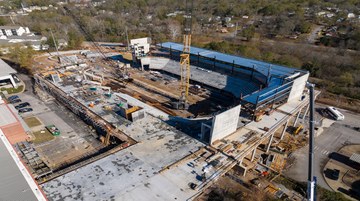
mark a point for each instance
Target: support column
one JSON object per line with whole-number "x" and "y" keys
{"x": 245, "y": 169}
{"x": 214, "y": 62}
{"x": 270, "y": 141}
{"x": 233, "y": 66}
{"x": 240, "y": 162}
{"x": 12, "y": 81}
{"x": 283, "y": 132}
{"x": 253, "y": 154}
{"x": 297, "y": 118}
{"x": 198, "y": 58}
{"x": 306, "y": 111}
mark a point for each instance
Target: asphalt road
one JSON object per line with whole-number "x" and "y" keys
{"x": 331, "y": 140}
{"x": 313, "y": 35}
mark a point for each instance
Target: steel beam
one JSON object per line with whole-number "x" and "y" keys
{"x": 253, "y": 154}
{"x": 306, "y": 111}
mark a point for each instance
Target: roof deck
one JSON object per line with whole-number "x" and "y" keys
{"x": 135, "y": 173}
{"x": 260, "y": 66}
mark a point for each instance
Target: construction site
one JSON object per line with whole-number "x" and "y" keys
{"x": 235, "y": 111}
{"x": 165, "y": 120}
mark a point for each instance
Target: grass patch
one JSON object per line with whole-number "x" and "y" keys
{"x": 301, "y": 187}
{"x": 13, "y": 90}
{"x": 32, "y": 122}
{"x": 42, "y": 137}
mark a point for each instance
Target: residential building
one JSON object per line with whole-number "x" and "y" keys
{"x": 140, "y": 47}
{"x": 11, "y": 35}
{"x": 13, "y": 31}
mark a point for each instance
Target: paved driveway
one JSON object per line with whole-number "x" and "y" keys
{"x": 331, "y": 140}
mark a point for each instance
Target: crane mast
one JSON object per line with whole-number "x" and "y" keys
{"x": 185, "y": 57}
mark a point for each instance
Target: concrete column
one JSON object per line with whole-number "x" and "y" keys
{"x": 270, "y": 141}
{"x": 306, "y": 111}
{"x": 240, "y": 162}
{"x": 243, "y": 167}
{"x": 253, "y": 154}
{"x": 283, "y": 132}
{"x": 297, "y": 118}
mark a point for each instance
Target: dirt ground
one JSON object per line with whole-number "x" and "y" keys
{"x": 339, "y": 101}
{"x": 32, "y": 122}
{"x": 42, "y": 136}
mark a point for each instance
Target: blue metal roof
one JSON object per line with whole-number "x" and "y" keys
{"x": 260, "y": 66}
{"x": 267, "y": 93}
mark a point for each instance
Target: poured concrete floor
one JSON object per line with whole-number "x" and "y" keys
{"x": 133, "y": 173}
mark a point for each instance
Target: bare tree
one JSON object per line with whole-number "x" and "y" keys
{"x": 174, "y": 29}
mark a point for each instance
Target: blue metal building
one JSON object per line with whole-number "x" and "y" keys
{"x": 276, "y": 81}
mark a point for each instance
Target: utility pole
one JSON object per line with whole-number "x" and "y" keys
{"x": 236, "y": 30}
{"x": 11, "y": 19}
{"x": 57, "y": 50}
{"x": 311, "y": 179}
{"x": 127, "y": 39}
{"x": 23, "y": 8}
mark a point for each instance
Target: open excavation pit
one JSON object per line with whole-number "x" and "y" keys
{"x": 159, "y": 89}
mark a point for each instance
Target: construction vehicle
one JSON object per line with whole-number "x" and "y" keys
{"x": 53, "y": 130}
{"x": 298, "y": 129}
{"x": 185, "y": 59}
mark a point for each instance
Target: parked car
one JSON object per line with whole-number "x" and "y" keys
{"x": 23, "y": 110}
{"x": 193, "y": 186}
{"x": 13, "y": 97}
{"x": 21, "y": 105}
{"x": 335, "y": 174}
{"x": 15, "y": 101}
{"x": 256, "y": 182}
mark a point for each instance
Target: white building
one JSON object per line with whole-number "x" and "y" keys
{"x": 140, "y": 46}
{"x": 6, "y": 73}
{"x": 11, "y": 35}
{"x": 62, "y": 43}
{"x": 13, "y": 31}
{"x": 351, "y": 15}
{"x": 227, "y": 19}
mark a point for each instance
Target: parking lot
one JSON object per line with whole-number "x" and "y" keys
{"x": 331, "y": 140}
{"x": 76, "y": 137}
{"x": 341, "y": 174}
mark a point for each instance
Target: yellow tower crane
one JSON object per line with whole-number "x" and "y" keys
{"x": 185, "y": 57}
